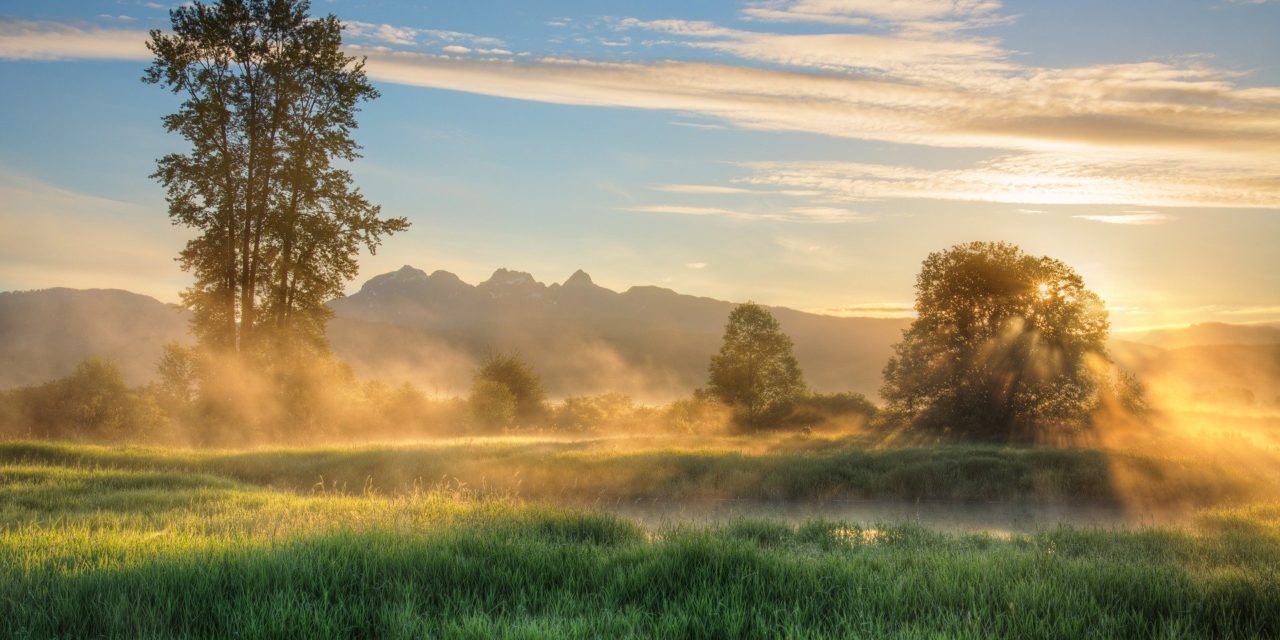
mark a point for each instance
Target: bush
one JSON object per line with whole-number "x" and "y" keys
{"x": 604, "y": 412}
{"x": 699, "y": 414}
{"x": 518, "y": 378}
{"x": 492, "y": 405}
{"x": 825, "y": 410}
{"x": 93, "y": 403}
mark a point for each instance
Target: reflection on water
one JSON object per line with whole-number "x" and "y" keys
{"x": 953, "y": 516}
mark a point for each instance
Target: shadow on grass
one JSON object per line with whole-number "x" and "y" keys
{"x": 581, "y": 472}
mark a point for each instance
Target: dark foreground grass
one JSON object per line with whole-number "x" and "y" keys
{"x": 116, "y": 553}
{"x": 587, "y": 471}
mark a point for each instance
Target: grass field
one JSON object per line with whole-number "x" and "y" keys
{"x": 131, "y": 543}
{"x": 586, "y": 471}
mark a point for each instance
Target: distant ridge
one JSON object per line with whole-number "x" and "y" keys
{"x": 45, "y": 333}
{"x": 1211, "y": 333}
{"x": 650, "y": 342}
{"x": 647, "y": 341}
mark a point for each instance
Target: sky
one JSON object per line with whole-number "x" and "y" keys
{"x": 803, "y": 153}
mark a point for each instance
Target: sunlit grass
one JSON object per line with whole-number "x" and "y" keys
{"x": 103, "y": 552}
{"x": 602, "y": 469}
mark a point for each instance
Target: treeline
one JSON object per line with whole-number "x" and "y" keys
{"x": 202, "y": 399}
{"x": 1007, "y": 347}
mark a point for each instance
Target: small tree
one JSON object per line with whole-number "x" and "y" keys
{"x": 508, "y": 372}
{"x": 1004, "y": 345}
{"x": 755, "y": 371}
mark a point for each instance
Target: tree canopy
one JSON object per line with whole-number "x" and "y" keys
{"x": 507, "y": 391}
{"x": 755, "y": 371}
{"x": 1005, "y": 344}
{"x": 269, "y": 105}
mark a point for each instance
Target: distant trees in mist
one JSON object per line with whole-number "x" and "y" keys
{"x": 1006, "y": 347}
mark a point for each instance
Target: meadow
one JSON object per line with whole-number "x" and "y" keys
{"x": 663, "y": 467}
{"x": 404, "y": 541}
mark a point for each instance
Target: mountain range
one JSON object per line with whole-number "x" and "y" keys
{"x": 648, "y": 342}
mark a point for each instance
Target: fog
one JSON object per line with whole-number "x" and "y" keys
{"x": 623, "y": 430}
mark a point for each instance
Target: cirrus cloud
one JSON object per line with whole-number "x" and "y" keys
{"x": 44, "y": 40}
{"x": 1136, "y": 218}
{"x": 1170, "y": 133}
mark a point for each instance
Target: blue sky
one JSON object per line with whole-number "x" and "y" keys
{"x": 806, "y": 153}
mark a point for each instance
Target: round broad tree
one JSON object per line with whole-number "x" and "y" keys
{"x": 1005, "y": 346}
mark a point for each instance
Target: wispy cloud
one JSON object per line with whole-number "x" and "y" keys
{"x": 930, "y": 15}
{"x": 709, "y": 189}
{"x": 370, "y": 32}
{"x": 813, "y": 215}
{"x": 1129, "y": 218}
{"x": 870, "y": 109}
{"x": 1144, "y": 319}
{"x": 42, "y": 40}
{"x": 681, "y": 210}
{"x": 1076, "y": 178}
{"x": 389, "y": 34}
{"x": 1150, "y": 134}
{"x": 870, "y": 310}
{"x": 695, "y": 265}
{"x": 1173, "y": 133}
{"x": 696, "y": 125}
{"x": 903, "y": 54}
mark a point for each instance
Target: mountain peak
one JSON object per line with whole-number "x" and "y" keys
{"x": 441, "y": 275}
{"x": 397, "y": 280}
{"x": 579, "y": 278}
{"x": 508, "y": 278}
{"x": 409, "y": 273}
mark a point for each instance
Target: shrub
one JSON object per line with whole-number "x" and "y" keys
{"x": 604, "y": 412}
{"x": 93, "y": 403}
{"x": 518, "y": 378}
{"x": 492, "y": 405}
{"x": 698, "y": 414}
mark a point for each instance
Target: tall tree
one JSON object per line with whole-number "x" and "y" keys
{"x": 755, "y": 371}
{"x": 269, "y": 104}
{"x": 1004, "y": 345}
